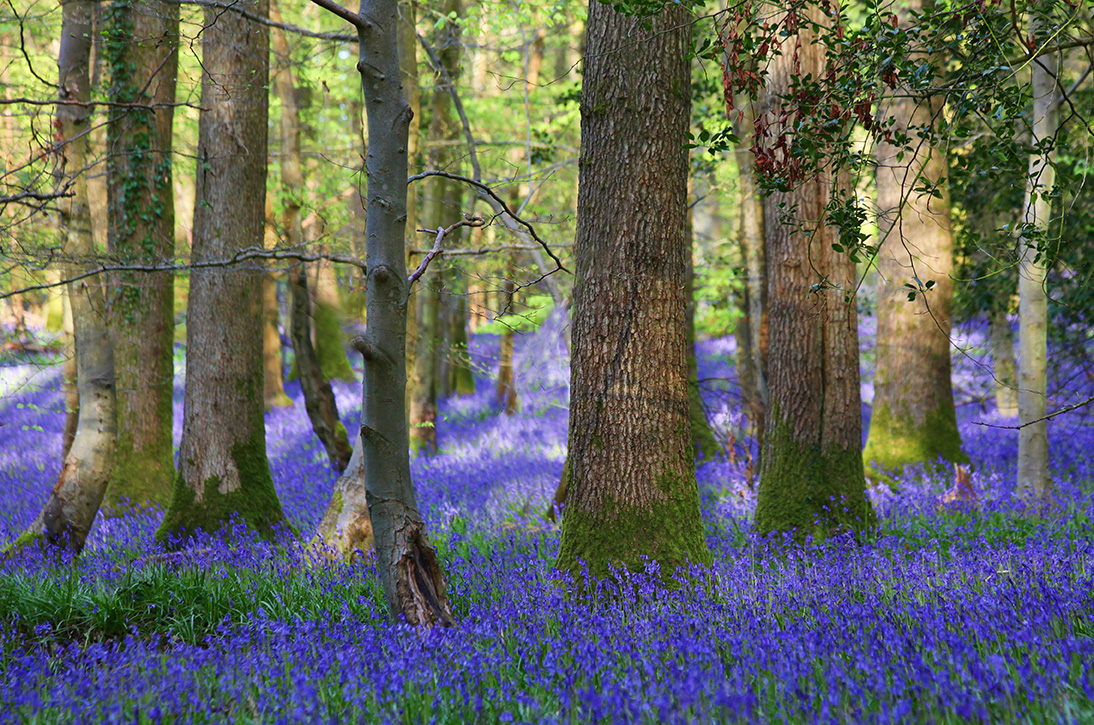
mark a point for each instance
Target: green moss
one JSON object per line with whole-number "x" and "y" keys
{"x": 140, "y": 477}
{"x": 255, "y": 501}
{"x": 896, "y": 441}
{"x": 24, "y": 540}
{"x": 669, "y": 531}
{"x": 808, "y": 490}
{"x": 330, "y": 347}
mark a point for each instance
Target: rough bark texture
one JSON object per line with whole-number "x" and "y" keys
{"x": 1004, "y": 367}
{"x": 632, "y": 494}
{"x": 811, "y": 478}
{"x": 1033, "y": 471}
{"x": 410, "y": 571}
{"x": 67, "y": 516}
{"x": 914, "y": 420}
{"x": 223, "y": 470}
{"x": 141, "y": 48}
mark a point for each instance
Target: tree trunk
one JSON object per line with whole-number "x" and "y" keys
{"x": 1004, "y": 367}
{"x": 752, "y": 252}
{"x": 66, "y": 518}
{"x": 408, "y": 67}
{"x": 346, "y": 528}
{"x": 141, "y": 198}
{"x": 1033, "y": 472}
{"x": 914, "y": 420}
{"x": 703, "y": 441}
{"x": 632, "y": 492}
{"x": 223, "y": 469}
{"x": 507, "y": 386}
{"x": 410, "y": 571}
{"x": 330, "y": 343}
{"x": 811, "y": 478}
{"x": 435, "y": 213}
{"x": 463, "y": 379}
{"x": 273, "y": 388}
{"x": 71, "y": 388}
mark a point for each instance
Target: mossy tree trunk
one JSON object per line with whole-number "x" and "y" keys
{"x": 463, "y": 379}
{"x": 346, "y": 527}
{"x": 914, "y": 420}
{"x": 141, "y": 48}
{"x": 811, "y": 478}
{"x": 631, "y": 492}
{"x": 68, "y": 513}
{"x": 223, "y": 469}
{"x": 1033, "y": 471}
{"x": 410, "y": 570}
{"x": 330, "y": 340}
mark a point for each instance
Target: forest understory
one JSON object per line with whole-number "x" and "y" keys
{"x": 963, "y": 612}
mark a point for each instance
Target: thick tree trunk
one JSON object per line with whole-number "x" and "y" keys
{"x": 914, "y": 420}
{"x": 66, "y": 518}
{"x": 346, "y": 528}
{"x": 811, "y": 478}
{"x": 1004, "y": 367}
{"x": 410, "y": 571}
{"x": 141, "y": 48}
{"x": 223, "y": 470}
{"x": 632, "y": 492}
{"x": 1033, "y": 472}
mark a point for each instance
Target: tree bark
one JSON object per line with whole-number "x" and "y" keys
{"x": 273, "y": 381}
{"x": 68, "y": 513}
{"x": 141, "y": 49}
{"x": 703, "y": 442}
{"x": 346, "y": 528}
{"x": 1003, "y": 365}
{"x": 1034, "y": 482}
{"x": 69, "y": 376}
{"x": 914, "y": 420}
{"x": 223, "y": 469}
{"x": 410, "y": 570}
{"x": 631, "y": 492}
{"x": 811, "y": 478}
{"x": 506, "y": 392}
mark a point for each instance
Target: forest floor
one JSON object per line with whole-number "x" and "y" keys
{"x": 942, "y": 615}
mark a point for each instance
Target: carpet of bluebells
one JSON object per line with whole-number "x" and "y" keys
{"x": 942, "y": 615}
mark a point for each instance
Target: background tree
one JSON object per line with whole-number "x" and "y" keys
{"x": 141, "y": 48}
{"x": 913, "y": 419}
{"x": 811, "y": 477}
{"x": 223, "y": 471}
{"x": 632, "y": 492}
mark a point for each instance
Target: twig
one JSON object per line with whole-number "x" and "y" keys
{"x": 441, "y": 232}
{"x": 1061, "y": 411}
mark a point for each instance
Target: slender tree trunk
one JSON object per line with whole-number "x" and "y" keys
{"x": 330, "y": 343}
{"x": 507, "y": 386}
{"x": 141, "y": 49}
{"x": 223, "y": 469}
{"x": 435, "y": 213}
{"x": 1004, "y": 367}
{"x": 66, "y": 518}
{"x": 702, "y": 437}
{"x": 463, "y": 379}
{"x": 408, "y": 68}
{"x": 811, "y": 478}
{"x": 410, "y": 571}
{"x": 71, "y": 387}
{"x": 752, "y": 252}
{"x": 632, "y": 492}
{"x": 914, "y": 420}
{"x": 273, "y": 388}
{"x": 1033, "y": 471}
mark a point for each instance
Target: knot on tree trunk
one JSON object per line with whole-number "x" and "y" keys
{"x": 423, "y": 598}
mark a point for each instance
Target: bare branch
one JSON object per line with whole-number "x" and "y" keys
{"x": 1061, "y": 411}
{"x": 350, "y": 17}
{"x": 483, "y": 250}
{"x": 471, "y": 221}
